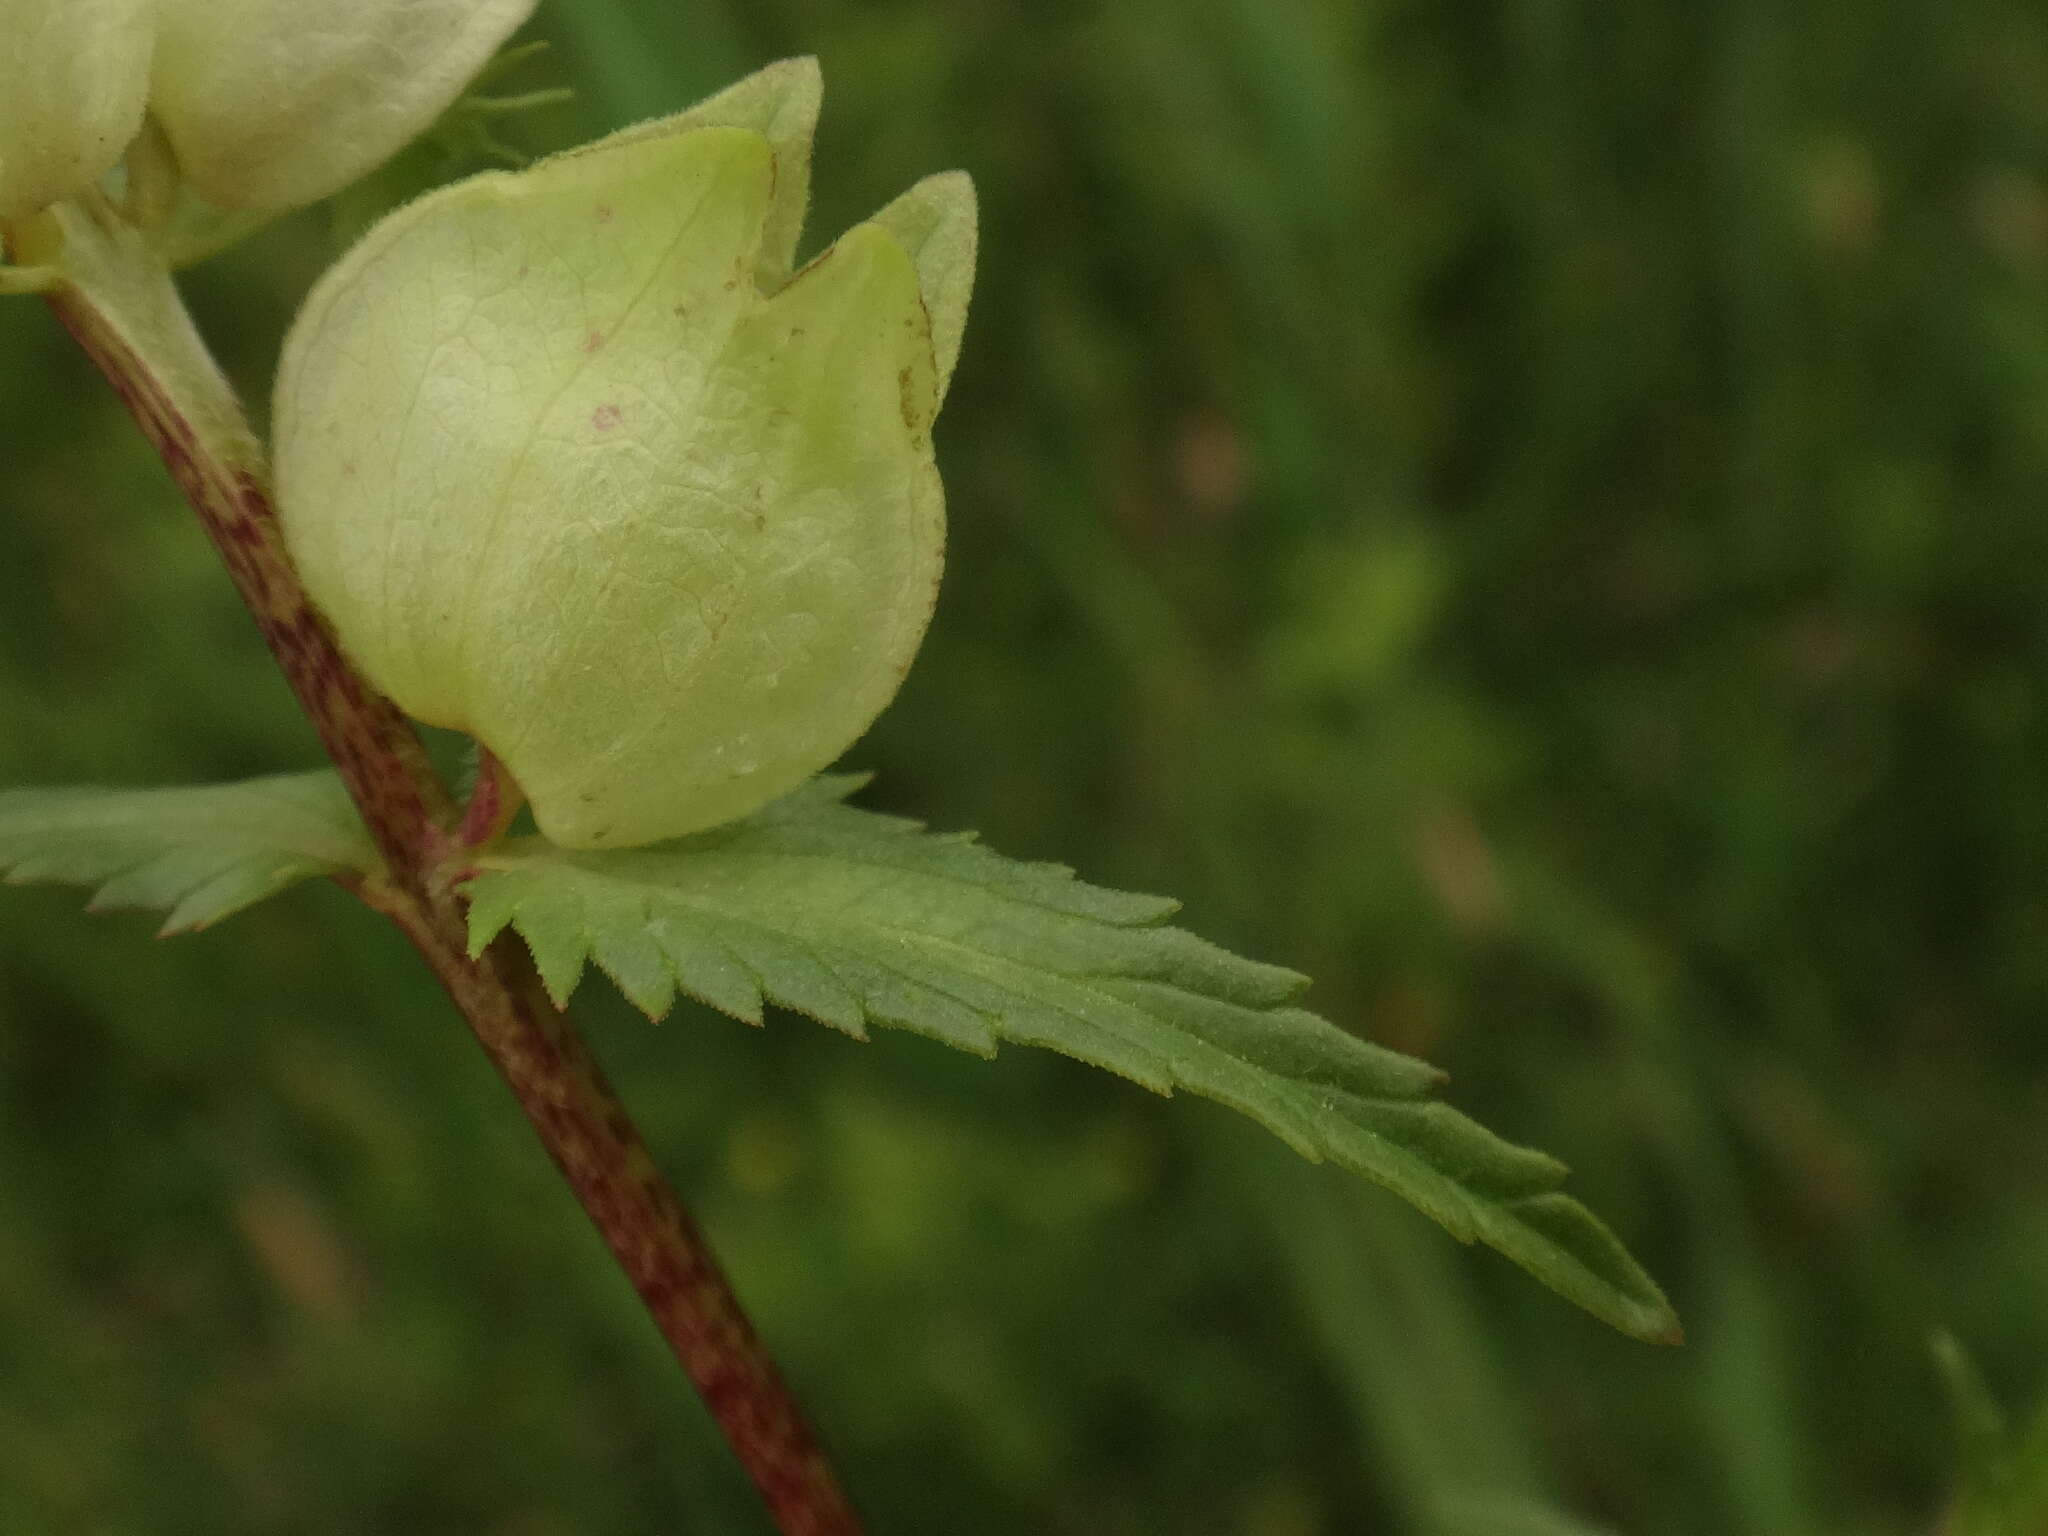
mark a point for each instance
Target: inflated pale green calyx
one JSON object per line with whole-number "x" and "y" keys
{"x": 573, "y": 469}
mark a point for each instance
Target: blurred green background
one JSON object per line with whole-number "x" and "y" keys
{"x": 1531, "y": 512}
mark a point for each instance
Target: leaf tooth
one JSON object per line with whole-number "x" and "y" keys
{"x": 892, "y": 996}
{"x": 164, "y": 880}
{"x": 243, "y": 884}
{"x": 793, "y": 977}
{"x": 1398, "y": 1168}
{"x": 1032, "y": 1008}
{"x": 1288, "y": 1114}
{"x": 1077, "y": 1027}
{"x": 1177, "y": 959}
{"x": 1292, "y": 1110}
{"x": 627, "y": 952}
{"x": 1460, "y": 1147}
{"x": 705, "y": 968}
{"x": 557, "y": 933}
{"x": 493, "y": 903}
{"x": 1289, "y": 1042}
{"x": 1569, "y": 1249}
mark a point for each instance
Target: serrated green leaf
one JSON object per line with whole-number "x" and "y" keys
{"x": 861, "y": 919}
{"x": 198, "y": 854}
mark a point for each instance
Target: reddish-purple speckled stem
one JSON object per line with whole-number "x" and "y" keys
{"x": 374, "y": 747}
{"x": 126, "y": 315}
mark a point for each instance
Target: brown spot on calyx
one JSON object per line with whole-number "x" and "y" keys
{"x": 594, "y": 342}
{"x": 905, "y": 393}
{"x": 603, "y": 213}
{"x": 605, "y": 417}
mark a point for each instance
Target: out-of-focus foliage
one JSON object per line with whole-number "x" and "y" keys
{"x": 2003, "y": 1489}
{"x": 1532, "y": 514}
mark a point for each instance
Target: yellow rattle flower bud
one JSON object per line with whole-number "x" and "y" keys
{"x": 575, "y": 465}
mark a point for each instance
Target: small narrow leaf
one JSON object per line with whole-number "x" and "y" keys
{"x": 860, "y": 919}
{"x": 198, "y": 854}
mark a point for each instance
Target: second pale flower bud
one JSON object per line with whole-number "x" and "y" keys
{"x": 267, "y": 104}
